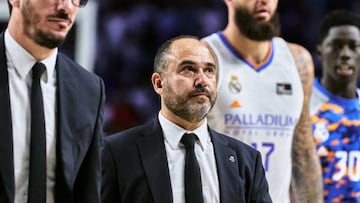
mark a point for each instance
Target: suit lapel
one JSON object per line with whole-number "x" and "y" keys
{"x": 6, "y": 144}
{"x": 153, "y": 154}
{"x": 66, "y": 117}
{"x": 227, "y": 169}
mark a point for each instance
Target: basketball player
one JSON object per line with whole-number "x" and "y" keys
{"x": 335, "y": 103}
{"x": 263, "y": 98}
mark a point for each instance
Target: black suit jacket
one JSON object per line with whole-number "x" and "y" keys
{"x": 135, "y": 168}
{"x": 80, "y": 101}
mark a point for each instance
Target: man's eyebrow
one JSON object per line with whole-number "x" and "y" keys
{"x": 190, "y": 62}
{"x": 209, "y": 64}
{"x": 187, "y": 62}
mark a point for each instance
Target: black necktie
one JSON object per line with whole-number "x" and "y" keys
{"x": 37, "y": 168}
{"x": 193, "y": 189}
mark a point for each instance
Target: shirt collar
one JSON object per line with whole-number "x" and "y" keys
{"x": 173, "y": 133}
{"x": 23, "y": 61}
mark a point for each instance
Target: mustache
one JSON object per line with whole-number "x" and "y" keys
{"x": 61, "y": 15}
{"x": 200, "y": 89}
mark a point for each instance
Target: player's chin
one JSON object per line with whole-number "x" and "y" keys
{"x": 59, "y": 35}
{"x": 203, "y": 100}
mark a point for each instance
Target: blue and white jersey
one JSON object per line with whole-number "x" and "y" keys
{"x": 260, "y": 105}
{"x": 336, "y": 126}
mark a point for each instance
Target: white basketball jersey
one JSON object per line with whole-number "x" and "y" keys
{"x": 260, "y": 106}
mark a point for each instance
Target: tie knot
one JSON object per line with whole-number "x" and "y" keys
{"x": 188, "y": 139}
{"x": 37, "y": 70}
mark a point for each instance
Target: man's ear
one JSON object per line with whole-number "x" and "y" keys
{"x": 13, "y": 3}
{"x": 319, "y": 52}
{"x": 156, "y": 81}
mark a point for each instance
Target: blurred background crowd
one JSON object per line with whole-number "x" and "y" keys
{"x": 128, "y": 33}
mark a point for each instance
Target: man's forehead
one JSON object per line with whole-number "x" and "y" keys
{"x": 186, "y": 43}
{"x": 191, "y": 48}
{"x": 344, "y": 29}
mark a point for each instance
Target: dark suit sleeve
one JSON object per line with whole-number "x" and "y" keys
{"x": 260, "y": 188}
{"x": 110, "y": 188}
{"x": 89, "y": 176}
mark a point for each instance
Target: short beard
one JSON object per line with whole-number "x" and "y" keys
{"x": 31, "y": 19}
{"x": 46, "y": 40}
{"x": 255, "y": 29}
{"x": 184, "y": 108}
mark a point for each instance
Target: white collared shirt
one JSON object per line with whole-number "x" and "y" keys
{"x": 19, "y": 64}
{"x": 175, "y": 152}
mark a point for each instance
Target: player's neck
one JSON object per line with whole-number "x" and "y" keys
{"x": 253, "y": 51}
{"x": 343, "y": 89}
{"x": 183, "y": 123}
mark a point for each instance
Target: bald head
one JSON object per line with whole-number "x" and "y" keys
{"x": 186, "y": 43}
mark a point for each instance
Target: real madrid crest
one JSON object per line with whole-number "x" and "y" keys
{"x": 234, "y": 85}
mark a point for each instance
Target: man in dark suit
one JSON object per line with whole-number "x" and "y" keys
{"x": 72, "y": 105}
{"x": 149, "y": 163}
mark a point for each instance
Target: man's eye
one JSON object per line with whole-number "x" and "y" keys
{"x": 210, "y": 72}
{"x": 355, "y": 45}
{"x": 336, "y": 45}
{"x": 189, "y": 68}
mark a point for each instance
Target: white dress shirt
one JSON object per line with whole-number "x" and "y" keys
{"x": 175, "y": 152}
{"x": 19, "y": 63}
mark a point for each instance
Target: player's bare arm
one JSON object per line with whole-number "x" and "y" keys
{"x": 306, "y": 181}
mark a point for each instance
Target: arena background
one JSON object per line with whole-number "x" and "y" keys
{"x": 117, "y": 39}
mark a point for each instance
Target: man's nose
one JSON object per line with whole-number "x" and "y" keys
{"x": 201, "y": 79}
{"x": 345, "y": 52}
